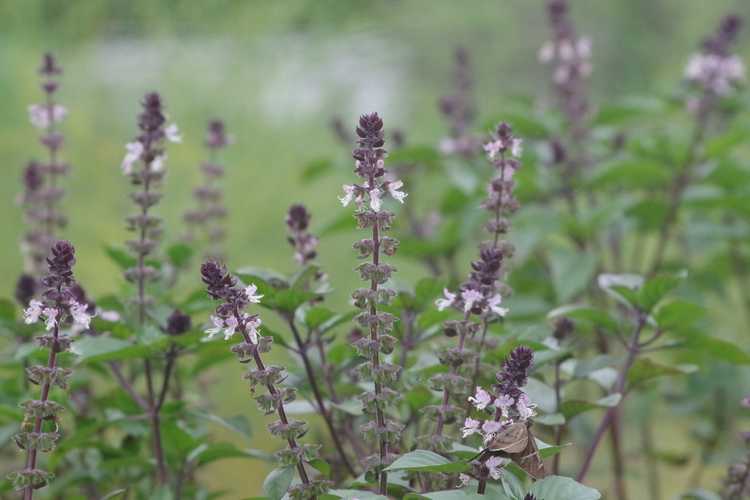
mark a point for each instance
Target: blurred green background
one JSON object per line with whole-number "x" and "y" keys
{"x": 277, "y": 71}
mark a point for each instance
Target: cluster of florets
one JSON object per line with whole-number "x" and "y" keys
{"x": 59, "y": 306}
{"x": 147, "y": 147}
{"x": 230, "y": 317}
{"x": 42, "y": 191}
{"x": 304, "y": 243}
{"x": 210, "y": 210}
{"x": 715, "y": 69}
{"x": 570, "y": 53}
{"x": 504, "y": 152}
{"x": 458, "y": 109}
{"x": 737, "y": 482}
{"x": 59, "y": 302}
{"x": 508, "y": 404}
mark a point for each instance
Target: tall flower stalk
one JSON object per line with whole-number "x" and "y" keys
{"x": 713, "y": 73}
{"x": 458, "y": 110}
{"x": 41, "y": 179}
{"x": 481, "y": 294}
{"x": 144, "y": 164}
{"x": 368, "y": 197}
{"x": 58, "y": 308}
{"x": 229, "y": 318}
{"x": 205, "y": 222}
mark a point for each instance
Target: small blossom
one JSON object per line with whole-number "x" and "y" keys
{"x": 394, "y": 190}
{"x": 348, "y": 194}
{"x": 217, "y": 328}
{"x": 447, "y": 301}
{"x": 252, "y": 325}
{"x": 504, "y": 402}
{"x": 495, "y": 466}
{"x": 80, "y": 314}
{"x": 481, "y": 399}
{"x": 134, "y": 152}
{"x": 493, "y": 148}
{"x": 230, "y": 326}
{"x": 172, "y": 133}
{"x": 157, "y": 165}
{"x": 546, "y": 52}
{"x": 471, "y": 426}
{"x": 524, "y": 407}
{"x": 516, "y": 147}
{"x": 50, "y": 313}
{"x": 39, "y": 115}
{"x": 32, "y": 313}
{"x": 375, "y": 200}
{"x": 470, "y": 297}
{"x": 494, "y": 305}
{"x": 250, "y": 292}
{"x": 463, "y": 480}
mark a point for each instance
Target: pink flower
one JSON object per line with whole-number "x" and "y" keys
{"x": 51, "y": 314}
{"x": 394, "y": 190}
{"x": 481, "y": 399}
{"x": 375, "y": 200}
{"x": 134, "y": 152}
{"x": 471, "y": 426}
{"x": 39, "y": 115}
{"x": 491, "y": 427}
{"x": 80, "y": 314}
{"x": 252, "y": 324}
{"x": 32, "y": 313}
{"x": 495, "y": 466}
{"x": 252, "y": 296}
{"x": 494, "y": 305}
{"x": 447, "y": 301}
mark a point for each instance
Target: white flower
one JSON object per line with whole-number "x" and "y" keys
{"x": 516, "y": 147}
{"x": 546, "y": 52}
{"x": 252, "y": 325}
{"x": 158, "y": 164}
{"x": 447, "y": 301}
{"x": 493, "y": 148}
{"x": 172, "y": 133}
{"x": 51, "y": 314}
{"x": 32, "y": 313}
{"x": 495, "y": 466}
{"x": 217, "y": 328}
{"x": 481, "y": 399}
{"x": 135, "y": 150}
{"x": 375, "y": 201}
{"x": 230, "y": 326}
{"x": 393, "y": 190}
{"x": 494, "y": 305}
{"x": 39, "y": 115}
{"x": 471, "y": 426}
{"x": 463, "y": 480}
{"x": 524, "y": 407}
{"x": 348, "y": 194}
{"x": 566, "y": 50}
{"x": 251, "y": 295}
{"x": 80, "y": 314}
{"x": 470, "y": 297}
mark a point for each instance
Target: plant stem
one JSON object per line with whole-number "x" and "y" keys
{"x": 31, "y": 455}
{"x": 560, "y": 428}
{"x": 620, "y": 385}
{"x": 446, "y": 391}
{"x": 324, "y": 412}
{"x": 374, "y": 336}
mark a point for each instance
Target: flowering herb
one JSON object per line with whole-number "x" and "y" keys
{"x": 304, "y": 243}
{"x": 206, "y": 220}
{"x": 57, "y": 308}
{"x": 368, "y": 197}
{"x": 459, "y": 111}
{"x": 230, "y": 318}
{"x": 145, "y": 164}
{"x": 41, "y": 181}
{"x": 481, "y": 294}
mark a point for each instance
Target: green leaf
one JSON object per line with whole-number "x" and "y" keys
{"x": 426, "y": 461}
{"x": 522, "y": 124}
{"x": 562, "y": 488}
{"x": 206, "y": 453}
{"x": 645, "y": 369}
{"x": 632, "y": 174}
{"x": 317, "y": 168}
{"x": 596, "y": 317}
{"x": 179, "y": 254}
{"x": 678, "y": 315}
{"x": 655, "y": 289}
{"x": 427, "y": 290}
{"x": 315, "y": 316}
{"x": 120, "y": 257}
{"x": 571, "y": 272}
{"x": 237, "y": 423}
{"x": 572, "y": 408}
{"x": 541, "y": 394}
{"x": 356, "y": 494}
{"x": 426, "y": 155}
{"x": 105, "y": 348}
{"x": 716, "y": 349}
{"x": 277, "y": 482}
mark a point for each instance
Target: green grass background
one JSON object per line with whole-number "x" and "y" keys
{"x": 277, "y": 71}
